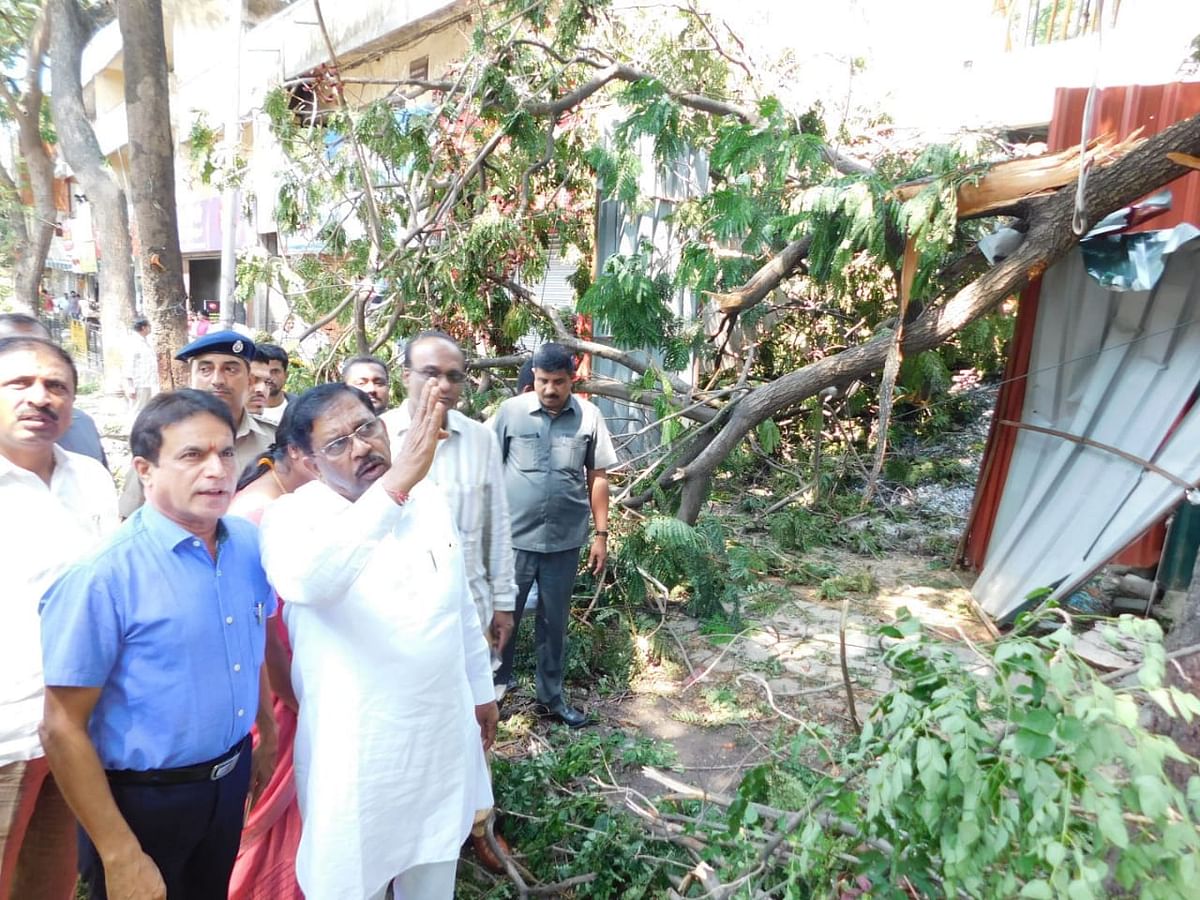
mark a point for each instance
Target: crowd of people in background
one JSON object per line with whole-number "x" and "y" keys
{"x": 68, "y": 304}
{"x": 273, "y": 668}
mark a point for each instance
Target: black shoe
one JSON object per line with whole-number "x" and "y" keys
{"x": 572, "y": 718}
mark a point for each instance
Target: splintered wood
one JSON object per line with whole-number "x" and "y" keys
{"x": 1185, "y": 159}
{"x": 1006, "y": 183}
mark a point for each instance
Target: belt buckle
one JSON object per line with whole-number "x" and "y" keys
{"x": 220, "y": 770}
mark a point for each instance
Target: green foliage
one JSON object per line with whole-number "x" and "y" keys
{"x": 769, "y": 436}
{"x": 838, "y": 586}
{"x": 202, "y": 145}
{"x": 476, "y": 186}
{"x": 564, "y": 831}
{"x": 601, "y": 657}
{"x": 653, "y": 114}
{"x": 798, "y": 528}
{"x": 19, "y": 17}
{"x": 695, "y": 560}
{"x": 1015, "y": 773}
{"x": 1027, "y": 776}
{"x": 631, "y": 301}
{"x": 617, "y": 173}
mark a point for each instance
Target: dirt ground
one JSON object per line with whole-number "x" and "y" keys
{"x": 737, "y": 699}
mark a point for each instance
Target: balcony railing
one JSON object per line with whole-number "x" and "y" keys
{"x": 1035, "y": 23}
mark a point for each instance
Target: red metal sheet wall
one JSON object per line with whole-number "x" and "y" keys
{"x": 1122, "y": 110}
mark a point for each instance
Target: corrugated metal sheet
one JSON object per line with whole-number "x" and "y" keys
{"x": 1119, "y": 368}
{"x": 621, "y": 230}
{"x": 555, "y": 289}
{"x": 997, "y": 454}
{"x": 1121, "y": 111}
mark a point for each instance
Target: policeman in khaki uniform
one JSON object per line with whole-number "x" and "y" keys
{"x": 218, "y": 363}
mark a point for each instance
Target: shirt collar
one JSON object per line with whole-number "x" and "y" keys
{"x": 535, "y": 406}
{"x": 168, "y": 534}
{"x": 62, "y": 463}
{"x": 247, "y": 425}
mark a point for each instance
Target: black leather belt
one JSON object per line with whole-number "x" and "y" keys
{"x": 213, "y": 770}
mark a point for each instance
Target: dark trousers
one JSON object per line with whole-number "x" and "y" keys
{"x": 555, "y": 576}
{"x": 191, "y": 831}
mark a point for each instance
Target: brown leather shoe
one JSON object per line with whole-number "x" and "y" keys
{"x": 483, "y": 852}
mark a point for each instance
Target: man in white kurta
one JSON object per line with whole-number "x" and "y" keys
{"x": 55, "y": 507}
{"x": 390, "y": 668}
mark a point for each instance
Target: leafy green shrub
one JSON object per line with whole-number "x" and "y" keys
{"x": 564, "y": 829}
{"x": 1021, "y": 773}
{"x": 680, "y": 556}
{"x": 797, "y": 528}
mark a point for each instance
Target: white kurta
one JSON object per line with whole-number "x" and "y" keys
{"x": 388, "y": 665}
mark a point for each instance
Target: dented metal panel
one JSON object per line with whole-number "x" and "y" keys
{"x": 1119, "y": 367}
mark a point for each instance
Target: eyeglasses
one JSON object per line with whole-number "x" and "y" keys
{"x": 365, "y": 432}
{"x": 454, "y": 376}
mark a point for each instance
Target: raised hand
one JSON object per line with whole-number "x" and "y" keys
{"x": 415, "y": 454}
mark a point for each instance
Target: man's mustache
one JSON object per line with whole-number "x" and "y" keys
{"x": 373, "y": 460}
{"x": 45, "y": 411}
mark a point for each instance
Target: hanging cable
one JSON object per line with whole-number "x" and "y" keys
{"x": 1079, "y": 222}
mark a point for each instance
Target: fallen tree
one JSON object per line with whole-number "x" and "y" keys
{"x": 1048, "y": 238}
{"x": 447, "y": 214}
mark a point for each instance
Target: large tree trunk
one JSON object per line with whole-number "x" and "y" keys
{"x": 35, "y": 170}
{"x": 110, "y": 216}
{"x": 14, "y": 214}
{"x": 1049, "y": 238}
{"x": 152, "y": 171}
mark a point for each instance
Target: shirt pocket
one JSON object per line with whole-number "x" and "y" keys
{"x": 525, "y": 452}
{"x": 259, "y": 614}
{"x": 567, "y": 453}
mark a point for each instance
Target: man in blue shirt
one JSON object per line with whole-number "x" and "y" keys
{"x": 152, "y": 652}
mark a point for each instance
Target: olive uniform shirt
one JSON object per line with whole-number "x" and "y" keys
{"x": 546, "y": 463}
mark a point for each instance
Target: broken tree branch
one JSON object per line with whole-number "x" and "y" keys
{"x": 845, "y": 666}
{"x": 765, "y": 280}
{"x": 1049, "y": 238}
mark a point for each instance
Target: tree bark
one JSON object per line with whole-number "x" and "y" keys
{"x": 1049, "y": 238}
{"x": 152, "y": 171}
{"x": 37, "y": 229}
{"x": 14, "y": 213}
{"x": 110, "y": 216}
